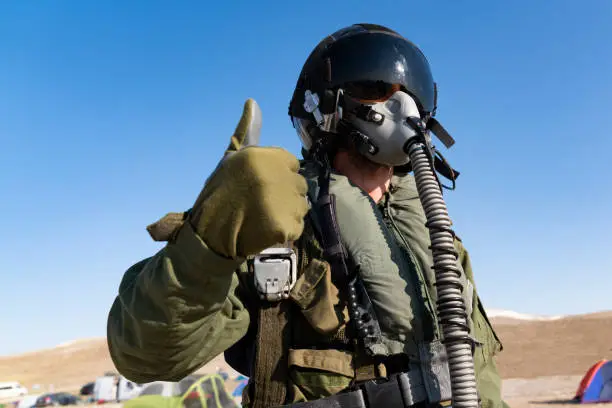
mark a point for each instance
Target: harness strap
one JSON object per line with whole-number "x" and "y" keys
{"x": 271, "y": 363}
{"x": 363, "y": 319}
{"x": 400, "y": 391}
{"x": 270, "y": 372}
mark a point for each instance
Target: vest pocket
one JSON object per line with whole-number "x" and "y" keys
{"x": 484, "y": 333}
{"x": 315, "y": 374}
{"x": 318, "y": 298}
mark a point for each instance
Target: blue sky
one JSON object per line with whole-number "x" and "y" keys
{"x": 114, "y": 113}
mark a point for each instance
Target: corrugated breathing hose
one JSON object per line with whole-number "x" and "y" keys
{"x": 451, "y": 309}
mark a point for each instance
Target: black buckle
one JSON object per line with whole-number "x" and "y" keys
{"x": 384, "y": 393}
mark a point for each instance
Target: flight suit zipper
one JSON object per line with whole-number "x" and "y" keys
{"x": 423, "y": 290}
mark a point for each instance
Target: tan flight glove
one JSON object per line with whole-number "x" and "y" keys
{"x": 255, "y": 198}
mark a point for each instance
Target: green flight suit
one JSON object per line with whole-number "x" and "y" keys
{"x": 185, "y": 305}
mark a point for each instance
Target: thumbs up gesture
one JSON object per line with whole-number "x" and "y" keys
{"x": 254, "y": 199}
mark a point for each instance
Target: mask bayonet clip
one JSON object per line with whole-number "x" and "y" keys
{"x": 311, "y": 105}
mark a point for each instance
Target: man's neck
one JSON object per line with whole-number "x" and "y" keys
{"x": 372, "y": 178}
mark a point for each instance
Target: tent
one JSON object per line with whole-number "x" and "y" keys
{"x": 193, "y": 391}
{"x": 164, "y": 388}
{"x": 596, "y": 385}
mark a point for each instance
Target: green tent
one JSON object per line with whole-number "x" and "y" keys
{"x": 152, "y": 401}
{"x": 206, "y": 391}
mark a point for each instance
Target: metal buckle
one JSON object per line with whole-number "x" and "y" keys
{"x": 385, "y": 392}
{"x": 275, "y": 272}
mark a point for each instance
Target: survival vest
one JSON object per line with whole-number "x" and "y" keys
{"x": 302, "y": 349}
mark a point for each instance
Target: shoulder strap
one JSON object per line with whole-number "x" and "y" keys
{"x": 270, "y": 371}
{"x": 273, "y": 337}
{"x": 365, "y": 326}
{"x": 270, "y": 368}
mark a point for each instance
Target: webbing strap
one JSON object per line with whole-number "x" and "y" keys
{"x": 270, "y": 372}
{"x": 400, "y": 391}
{"x": 353, "y": 399}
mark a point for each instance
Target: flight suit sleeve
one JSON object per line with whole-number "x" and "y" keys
{"x": 487, "y": 376}
{"x": 175, "y": 311}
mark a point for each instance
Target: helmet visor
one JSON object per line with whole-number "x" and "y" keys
{"x": 371, "y": 92}
{"x": 377, "y": 58}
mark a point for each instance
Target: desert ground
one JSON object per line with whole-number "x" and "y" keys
{"x": 542, "y": 362}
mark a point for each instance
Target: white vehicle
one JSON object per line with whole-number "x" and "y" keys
{"x": 12, "y": 389}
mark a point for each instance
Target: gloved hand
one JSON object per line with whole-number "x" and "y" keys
{"x": 255, "y": 198}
